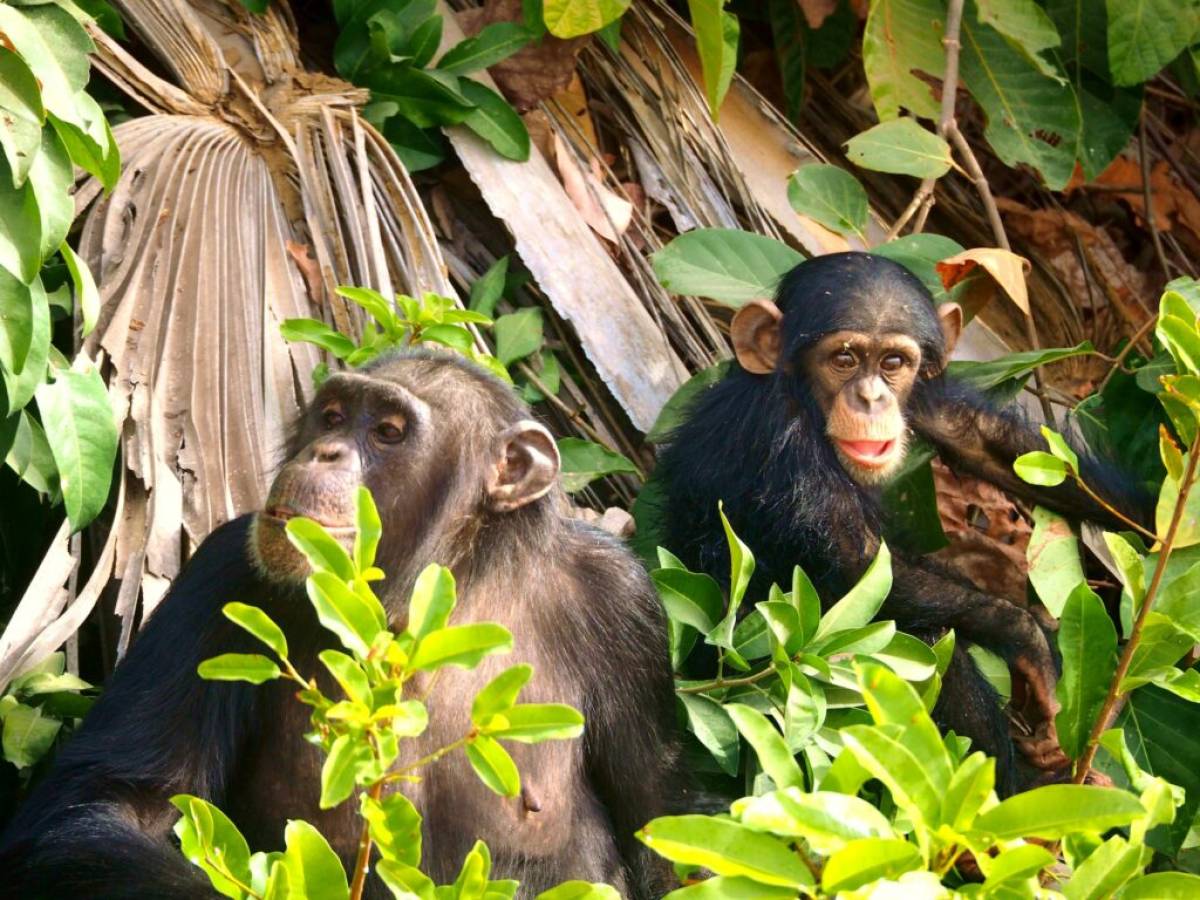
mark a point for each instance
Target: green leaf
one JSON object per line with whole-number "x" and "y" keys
{"x": 692, "y": 598}
{"x": 395, "y": 826}
{"x": 902, "y": 147}
{"x": 831, "y": 196}
{"x": 418, "y": 148}
{"x": 580, "y": 890}
{"x": 314, "y": 870}
{"x": 1107, "y": 868}
{"x": 518, "y": 334}
{"x": 323, "y": 552}
{"x": 30, "y": 456}
{"x": 18, "y": 321}
{"x": 1056, "y": 810}
{"x": 87, "y": 297}
{"x": 773, "y": 753}
{"x": 500, "y": 694}
{"x": 252, "y": 667}
{"x": 902, "y": 39}
{"x": 970, "y": 787}
{"x": 79, "y": 425}
{"x": 350, "y": 676}
{"x": 727, "y": 848}
{"x": 532, "y": 723}
{"x": 713, "y": 727}
{"x": 1145, "y": 35}
{"x": 1060, "y": 448}
{"x": 55, "y": 46}
{"x": 1088, "y": 643}
{"x": 463, "y": 646}
{"x": 353, "y": 618}
{"x": 487, "y": 290}
{"x": 673, "y": 413}
{"x": 494, "y": 766}
{"x": 313, "y": 332}
{"x": 346, "y": 757}
{"x": 492, "y": 44}
{"x": 731, "y": 887}
{"x": 717, "y": 33}
{"x": 425, "y": 97}
{"x": 21, "y": 103}
{"x": 1163, "y": 886}
{"x": 1032, "y": 117}
{"x": 1039, "y": 467}
{"x": 584, "y": 461}
{"x": 920, "y": 254}
{"x": 725, "y": 264}
{"x": 494, "y": 120}
{"x": 433, "y": 599}
{"x": 28, "y": 735}
{"x": 903, "y": 773}
{"x": 573, "y": 18}
{"x": 89, "y": 141}
{"x": 986, "y": 375}
{"x": 1025, "y": 25}
{"x": 1055, "y": 566}
{"x": 892, "y": 701}
{"x": 862, "y": 601}
{"x": 259, "y": 624}
{"x": 827, "y": 821}
{"x": 868, "y": 859}
{"x": 205, "y": 834}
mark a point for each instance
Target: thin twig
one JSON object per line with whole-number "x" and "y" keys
{"x": 923, "y": 199}
{"x": 1148, "y": 198}
{"x": 1115, "y": 698}
{"x": 1118, "y": 363}
{"x": 993, "y": 213}
{"x": 363, "y": 861}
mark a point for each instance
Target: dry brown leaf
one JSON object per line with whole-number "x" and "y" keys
{"x": 987, "y": 533}
{"x": 605, "y": 212}
{"x": 1007, "y": 271}
{"x": 1172, "y": 202}
{"x": 1067, "y": 242}
{"x": 535, "y": 73}
{"x": 817, "y": 11}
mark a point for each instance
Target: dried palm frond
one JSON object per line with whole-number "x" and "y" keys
{"x": 250, "y": 191}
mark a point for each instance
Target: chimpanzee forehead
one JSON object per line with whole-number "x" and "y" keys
{"x": 855, "y": 292}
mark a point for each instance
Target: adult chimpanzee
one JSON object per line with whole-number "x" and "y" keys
{"x": 462, "y": 477}
{"x": 797, "y": 440}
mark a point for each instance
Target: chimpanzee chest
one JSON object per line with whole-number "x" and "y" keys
{"x": 554, "y": 816}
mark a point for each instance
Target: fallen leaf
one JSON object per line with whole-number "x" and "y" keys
{"x": 987, "y": 533}
{"x": 1171, "y": 201}
{"x": 1007, "y": 271}
{"x": 533, "y": 74}
{"x": 817, "y": 11}
{"x": 605, "y": 212}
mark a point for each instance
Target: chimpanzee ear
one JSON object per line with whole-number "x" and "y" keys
{"x": 755, "y": 332}
{"x": 951, "y": 316}
{"x": 524, "y": 467}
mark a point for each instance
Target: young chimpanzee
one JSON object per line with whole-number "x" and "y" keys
{"x": 461, "y": 477}
{"x": 798, "y": 439}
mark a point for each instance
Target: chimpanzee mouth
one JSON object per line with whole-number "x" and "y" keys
{"x": 281, "y": 513}
{"x": 868, "y": 453}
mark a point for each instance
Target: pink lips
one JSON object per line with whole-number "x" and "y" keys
{"x": 867, "y": 453}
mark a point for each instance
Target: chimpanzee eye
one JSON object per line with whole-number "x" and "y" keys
{"x": 332, "y": 417}
{"x": 844, "y": 359}
{"x": 389, "y": 433}
{"x": 893, "y": 362}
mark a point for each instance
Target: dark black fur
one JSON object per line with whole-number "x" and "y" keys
{"x": 758, "y": 443}
{"x": 582, "y": 612}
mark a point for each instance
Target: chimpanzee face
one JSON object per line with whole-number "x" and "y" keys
{"x": 858, "y": 332}
{"x": 421, "y": 433}
{"x": 862, "y": 382}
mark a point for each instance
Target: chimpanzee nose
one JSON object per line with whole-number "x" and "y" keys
{"x": 871, "y": 392}
{"x": 330, "y": 452}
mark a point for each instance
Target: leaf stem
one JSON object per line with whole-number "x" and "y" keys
{"x": 1115, "y": 697}
{"x": 401, "y": 774}
{"x": 1112, "y": 510}
{"x": 363, "y": 860}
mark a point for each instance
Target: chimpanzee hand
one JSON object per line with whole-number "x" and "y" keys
{"x": 1034, "y": 679}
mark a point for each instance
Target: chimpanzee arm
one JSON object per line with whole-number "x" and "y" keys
{"x": 629, "y": 735}
{"x": 973, "y": 435}
{"x": 99, "y": 825}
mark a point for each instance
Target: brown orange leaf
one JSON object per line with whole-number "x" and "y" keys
{"x": 1005, "y": 270}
